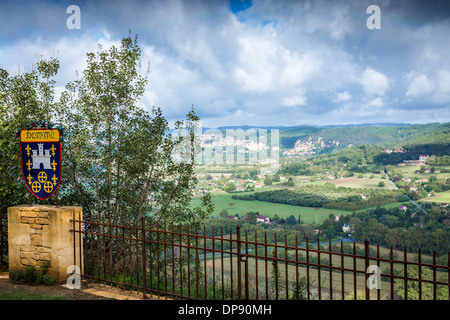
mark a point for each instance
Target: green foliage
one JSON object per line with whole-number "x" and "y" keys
{"x": 426, "y": 288}
{"x": 120, "y": 161}
{"x": 23, "y": 98}
{"x": 229, "y": 187}
{"x": 291, "y": 220}
{"x": 32, "y": 275}
{"x": 381, "y": 136}
{"x": 223, "y": 213}
{"x": 326, "y": 196}
{"x": 439, "y": 161}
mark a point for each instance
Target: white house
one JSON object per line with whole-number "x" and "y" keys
{"x": 346, "y": 227}
{"x": 263, "y": 219}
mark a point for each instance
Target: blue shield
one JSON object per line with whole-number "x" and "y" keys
{"x": 41, "y": 161}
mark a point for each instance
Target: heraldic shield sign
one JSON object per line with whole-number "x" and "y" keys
{"x": 41, "y": 161}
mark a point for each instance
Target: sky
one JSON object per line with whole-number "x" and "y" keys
{"x": 256, "y": 63}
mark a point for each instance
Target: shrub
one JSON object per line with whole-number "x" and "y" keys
{"x": 31, "y": 275}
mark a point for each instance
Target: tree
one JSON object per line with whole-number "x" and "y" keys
{"x": 251, "y": 217}
{"x": 381, "y": 184}
{"x": 291, "y": 220}
{"x": 375, "y": 231}
{"x": 267, "y": 181}
{"x": 357, "y": 227}
{"x": 223, "y": 213}
{"x": 229, "y": 187}
{"x": 290, "y": 182}
{"x": 24, "y": 98}
{"x": 121, "y": 160}
{"x": 393, "y": 238}
{"x": 426, "y": 288}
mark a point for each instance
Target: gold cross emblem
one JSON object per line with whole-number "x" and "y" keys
{"x": 48, "y": 186}
{"x": 42, "y": 177}
{"x": 36, "y": 187}
{"x": 28, "y": 149}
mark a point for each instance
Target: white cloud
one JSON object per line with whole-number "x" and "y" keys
{"x": 342, "y": 96}
{"x": 294, "y": 101}
{"x": 256, "y": 68}
{"x": 443, "y": 90}
{"x": 374, "y": 82}
{"x": 419, "y": 85}
{"x": 433, "y": 87}
{"x": 277, "y": 57}
{"x": 374, "y": 104}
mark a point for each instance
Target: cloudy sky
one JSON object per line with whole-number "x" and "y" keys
{"x": 261, "y": 63}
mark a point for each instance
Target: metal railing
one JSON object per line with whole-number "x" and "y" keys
{"x": 185, "y": 262}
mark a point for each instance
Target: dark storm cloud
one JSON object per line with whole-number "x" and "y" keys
{"x": 263, "y": 62}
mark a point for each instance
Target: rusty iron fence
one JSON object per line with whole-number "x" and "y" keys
{"x": 185, "y": 262}
{"x": 3, "y": 240}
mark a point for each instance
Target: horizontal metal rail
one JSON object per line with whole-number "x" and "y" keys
{"x": 183, "y": 262}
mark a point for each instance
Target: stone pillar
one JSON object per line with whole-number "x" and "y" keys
{"x": 40, "y": 235}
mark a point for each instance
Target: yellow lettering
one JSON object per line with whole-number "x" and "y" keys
{"x": 39, "y": 135}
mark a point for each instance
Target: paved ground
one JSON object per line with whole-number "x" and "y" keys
{"x": 88, "y": 291}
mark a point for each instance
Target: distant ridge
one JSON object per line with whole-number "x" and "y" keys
{"x": 246, "y": 127}
{"x": 386, "y": 135}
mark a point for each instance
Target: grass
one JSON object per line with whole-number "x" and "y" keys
{"x": 410, "y": 171}
{"x": 386, "y": 205}
{"x": 241, "y": 207}
{"x": 441, "y": 197}
{"x": 365, "y": 183}
{"x": 21, "y": 295}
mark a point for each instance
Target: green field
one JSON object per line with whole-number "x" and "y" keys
{"x": 364, "y": 183}
{"x": 410, "y": 171}
{"x": 441, "y": 197}
{"x": 352, "y": 182}
{"x": 241, "y": 207}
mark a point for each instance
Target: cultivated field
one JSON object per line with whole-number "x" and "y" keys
{"x": 365, "y": 183}
{"x": 441, "y": 197}
{"x": 241, "y": 207}
{"x": 410, "y": 171}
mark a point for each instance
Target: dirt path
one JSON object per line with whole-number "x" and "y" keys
{"x": 87, "y": 291}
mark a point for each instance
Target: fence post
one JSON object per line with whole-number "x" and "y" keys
{"x": 366, "y": 256}
{"x": 238, "y": 243}
{"x": 144, "y": 271}
{"x": 1, "y": 240}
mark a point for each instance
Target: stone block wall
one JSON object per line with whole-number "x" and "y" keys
{"x": 40, "y": 235}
